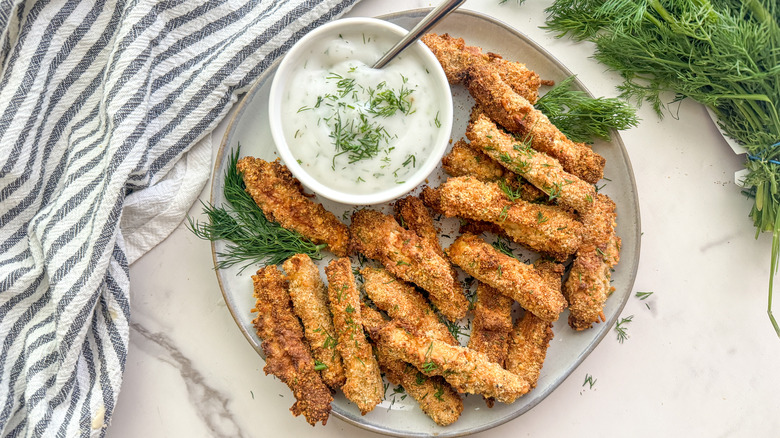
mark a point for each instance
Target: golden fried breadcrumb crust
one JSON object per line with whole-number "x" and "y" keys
{"x": 466, "y": 370}
{"x": 510, "y": 276}
{"x": 402, "y": 301}
{"x": 281, "y": 198}
{"x": 456, "y": 58}
{"x": 544, "y": 228}
{"x": 413, "y": 215}
{"x": 530, "y": 339}
{"x": 310, "y": 302}
{"x": 518, "y": 115}
{"x": 480, "y": 227}
{"x": 464, "y": 160}
{"x": 364, "y": 380}
{"x": 286, "y": 354}
{"x": 588, "y": 285}
{"x": 435, "y": 396}
{"x": 492, "y": 323}
{"x": 406, "y": 256}
{"x": 541, "y": 170}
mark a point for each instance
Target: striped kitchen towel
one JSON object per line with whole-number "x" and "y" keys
{"x": 105, "y": 112}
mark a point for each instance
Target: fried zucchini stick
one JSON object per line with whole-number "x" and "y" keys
{"x": 588, "y": 285}
{"x": 510, "y": 276}
{"x": 310, "y": 302}
{"x": 364, "y": 381}
{"x": 465, "y": 160}
{"x": 528, "y": 345}
{"x": 409, "y": 258}
{"x": 435, "y": 396}
{"x": 491, "y": 325}
{"x": 286, "y": 354}
{"x": 518, "y": 115}
{"x": 466, "y": 370}
{"x": 541, "y": 170}
{"x": 544, "y": 228}
{"x": 282, "y": 200}
{"x": 531, "y": 335}
{"x": 456, "y": 58}
{"x": 401, "y": 301}
{"x": 413, "y": 214}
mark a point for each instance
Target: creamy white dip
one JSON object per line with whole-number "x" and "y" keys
{"x": 331, "y": 125}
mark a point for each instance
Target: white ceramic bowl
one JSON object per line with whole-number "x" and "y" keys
{"x": 376, "y": 36}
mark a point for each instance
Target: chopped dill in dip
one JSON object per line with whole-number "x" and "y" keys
{"x": 354, "y": 128}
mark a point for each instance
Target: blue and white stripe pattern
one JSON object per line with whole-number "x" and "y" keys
{"x": 99, "y": 100}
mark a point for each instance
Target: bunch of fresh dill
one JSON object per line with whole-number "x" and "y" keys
{"x": 253, "y": 238}
{"x": 724, "y": 54}
{"x": 583, "y": 118}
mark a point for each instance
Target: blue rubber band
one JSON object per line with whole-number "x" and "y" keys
{"x": 757, "y": 158}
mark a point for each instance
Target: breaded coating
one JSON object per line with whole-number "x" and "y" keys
{"x": 588, "y": 285}
{"x": 282, "y": 200}
{"x": 464, "y": 160}
{"x": 510, "y": 276}
{"x": 480, "y": 227}
{"x": 466, "y": 370}
{"x": 364, "y": 380}
{"x": 310, "y": 302}
{"x": 435, "y": 396}
{"x": 401, "y": 301}
{"x": 528, "y": 347}
{"x": 286, "y": 354}
{"x": 519, "y": 116}
{"x": 551, "y": 272}
{"x": 541, "y": 170}
{"x": 409, "y": 258}
{"x": 413, "y": 215}
{"x": 543, "y": 228}
{"x": 491, "y": 325}
{"x": 456, "y": 58}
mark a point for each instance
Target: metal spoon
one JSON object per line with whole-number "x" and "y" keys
{"x": 421, "y": 28}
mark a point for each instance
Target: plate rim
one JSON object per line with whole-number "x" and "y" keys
{"x": 616, "y": 139}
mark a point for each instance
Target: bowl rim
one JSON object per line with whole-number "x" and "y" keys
{"x": 441, "y": 142}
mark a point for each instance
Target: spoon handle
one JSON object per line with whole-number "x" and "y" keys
{"x": 421, "y": 28}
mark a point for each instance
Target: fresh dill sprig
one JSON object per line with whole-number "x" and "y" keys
{"x": 512, "y": 191}
{"x": 589, "y": 380}
{"x": 455, "y": 329}
{"x": 253, "y": 238}
{"x": 643, "y": 296}
{"x": 620, "y": 328}
{"x": 722, "y": 54}
{"x": 355, "y": 114}
{"x": 502, "y": 246}
{"x": 387, "y": 102}
{"x": 583, "y": 118}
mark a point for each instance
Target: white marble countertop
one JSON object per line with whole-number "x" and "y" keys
{"x": 701, "y": 358}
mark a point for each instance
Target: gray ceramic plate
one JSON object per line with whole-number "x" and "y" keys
{"x": 397, "y": 415}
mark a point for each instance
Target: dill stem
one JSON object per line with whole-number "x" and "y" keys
{"x": 760, "y": 12}
{"x": 751, "y": 114}
{"x": 772, "y": 270}
{"x": 661, "y": 10}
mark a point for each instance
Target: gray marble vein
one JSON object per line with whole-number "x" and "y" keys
{"x": 211, "y": 405}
